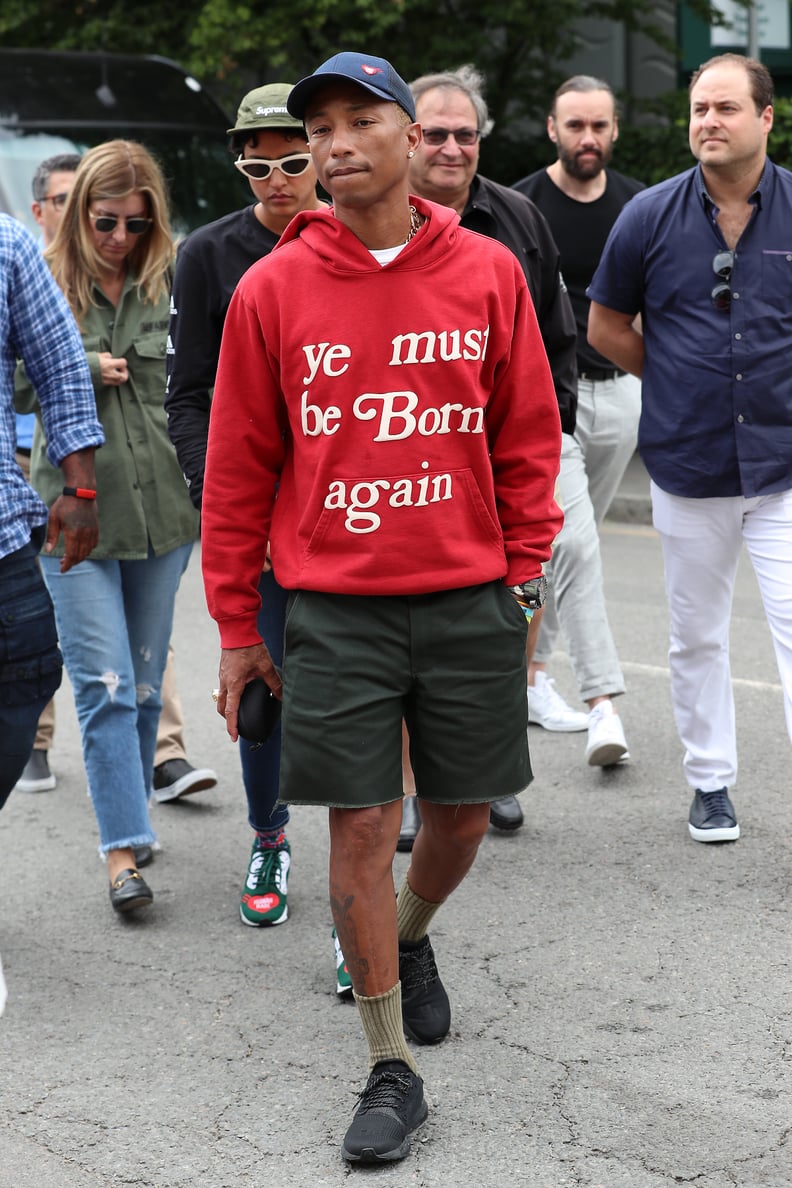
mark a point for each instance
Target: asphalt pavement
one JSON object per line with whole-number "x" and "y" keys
{"x": 620, "y": 993}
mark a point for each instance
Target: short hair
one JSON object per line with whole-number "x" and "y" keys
{"x": 583, "y": 84}
{"x": 238, "y": 140}
{"x": 760, "y": 80}
{"x": 61, "y": 163}
{"x": 114, "y": 169}
{"x": 466, "y": 79}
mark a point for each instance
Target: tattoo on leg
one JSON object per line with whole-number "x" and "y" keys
{"x": 357, "y": 964}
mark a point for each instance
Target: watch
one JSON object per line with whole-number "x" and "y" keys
{"x": 532, "y": 593}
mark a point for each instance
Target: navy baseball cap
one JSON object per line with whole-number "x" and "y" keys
{"x": 373, "y": 74}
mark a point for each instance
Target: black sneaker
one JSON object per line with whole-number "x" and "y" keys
{"x": 391, "y": 1107}
{"x": 176, "y": 777}
{"x": 426, "y": 1011}
{"x": 712, "y": 817}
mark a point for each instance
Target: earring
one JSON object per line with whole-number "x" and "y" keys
{"x": 411, "y": 153}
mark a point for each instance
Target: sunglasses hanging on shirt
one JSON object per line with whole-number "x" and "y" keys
{"x": 722, "y": 266}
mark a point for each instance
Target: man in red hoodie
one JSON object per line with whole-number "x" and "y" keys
{"x": 385, "y": 416}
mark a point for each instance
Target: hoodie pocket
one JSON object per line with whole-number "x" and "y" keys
{"x": 422, "y": 522}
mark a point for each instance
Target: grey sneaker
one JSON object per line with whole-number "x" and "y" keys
{"x": 712, "y": 817}
{"x": 36, "y": 776}
{"x": 391, "y": 1107}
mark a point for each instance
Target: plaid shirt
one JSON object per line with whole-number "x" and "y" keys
{"x": 36, "y": 326}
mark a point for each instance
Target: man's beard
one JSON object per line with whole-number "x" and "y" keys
{"x": 586, "y": 170}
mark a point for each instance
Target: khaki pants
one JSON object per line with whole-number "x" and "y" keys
{"x": 170, "y": 735}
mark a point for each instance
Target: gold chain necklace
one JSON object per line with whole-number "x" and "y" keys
{"x": 416, "y": 222}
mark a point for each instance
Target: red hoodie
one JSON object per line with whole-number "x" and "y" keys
{"x": 390, "y": 430}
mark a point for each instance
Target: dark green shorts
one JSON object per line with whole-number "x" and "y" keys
{"x": 451, "y": 664}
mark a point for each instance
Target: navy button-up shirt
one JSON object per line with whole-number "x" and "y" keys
{"x": 717, "y": 385}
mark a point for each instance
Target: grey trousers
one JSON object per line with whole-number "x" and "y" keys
{"x": 593, "y": 462}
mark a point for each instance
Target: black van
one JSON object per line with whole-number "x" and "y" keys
{"x": 53, "y": 102}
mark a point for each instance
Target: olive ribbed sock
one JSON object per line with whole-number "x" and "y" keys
{"x": 413, "y": 914}
{"x": 381, "y": 1017}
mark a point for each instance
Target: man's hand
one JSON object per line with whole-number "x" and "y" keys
{"x": 237, "y": 667}
{"x": 77, "y": 519}
{"x": 617, "y": 336}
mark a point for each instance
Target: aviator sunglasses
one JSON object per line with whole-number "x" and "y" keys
{"x": 463, "y": 136}
{"x": 259, "y": 168}
{"x": 106, "y": 223}
{"x": 722, "y": 265}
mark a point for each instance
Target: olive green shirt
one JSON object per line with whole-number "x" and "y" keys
{"x": 142, "y": 497}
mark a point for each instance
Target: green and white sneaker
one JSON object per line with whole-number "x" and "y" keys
{"x": 264, "y": 897}
{"x": 343, "y": 980}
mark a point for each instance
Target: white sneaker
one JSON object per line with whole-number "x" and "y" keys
{"x": 547, "y": 708}
{"x": 606, "y": 742}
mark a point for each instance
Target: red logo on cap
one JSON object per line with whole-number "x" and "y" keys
{"x": 372, "y": 69}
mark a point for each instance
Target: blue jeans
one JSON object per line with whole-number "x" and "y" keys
{"x": 114, "y": 621}
{"x": 30, "y": 661}
{"x": 261, "y": 766}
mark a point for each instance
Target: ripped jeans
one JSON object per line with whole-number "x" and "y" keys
{"x": 114, "y": 624}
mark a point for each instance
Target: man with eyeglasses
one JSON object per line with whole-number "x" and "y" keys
{"x": 270, "y": 149}
{"x": 705, "y": 258}
{"x": 51, "y": 184}
{"x": 453, "y": 114}
{"x": 581, "y": 197}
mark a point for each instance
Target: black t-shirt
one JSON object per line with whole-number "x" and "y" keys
{"x": 580, "y": 230}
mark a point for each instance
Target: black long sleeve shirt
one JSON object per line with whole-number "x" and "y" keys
{"x": 515, "y": 221}
{"x": 209, "y": 265}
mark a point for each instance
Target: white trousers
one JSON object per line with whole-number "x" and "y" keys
{"x": 701, "y": 541}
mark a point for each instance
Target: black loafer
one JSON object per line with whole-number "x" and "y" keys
{"x": 144, "y": 855}
{"x": 506, "y": 813}
{"x": 130, "y": 891}
{"x": 411, "y": 823}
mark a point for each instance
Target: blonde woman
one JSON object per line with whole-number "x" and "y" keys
{"x": 112, "y": 257}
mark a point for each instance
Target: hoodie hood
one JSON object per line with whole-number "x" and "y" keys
{"x": 344, "y": 252}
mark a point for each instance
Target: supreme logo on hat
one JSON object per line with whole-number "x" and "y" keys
{"x": 372, "y": 70}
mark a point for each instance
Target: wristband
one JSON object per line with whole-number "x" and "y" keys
{"x": 528, "y": 611}
{"x": 80, "y": 492}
